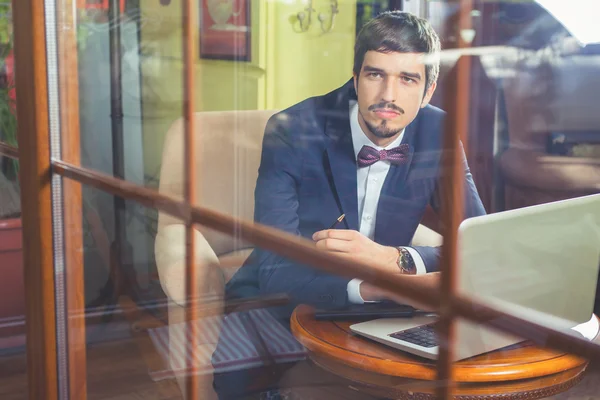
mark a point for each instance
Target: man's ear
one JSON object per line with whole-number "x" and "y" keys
{"x": 355, "y": 83}
{"x": 428, "y": 94}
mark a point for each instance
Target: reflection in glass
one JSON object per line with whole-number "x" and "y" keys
{"x": 124, "y": 303}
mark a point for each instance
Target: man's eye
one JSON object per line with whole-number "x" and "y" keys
{"x": 374, "y": 74}
{"x": 407, "y": 79}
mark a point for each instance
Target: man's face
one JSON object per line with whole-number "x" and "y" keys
{"x": 390, "y": 91}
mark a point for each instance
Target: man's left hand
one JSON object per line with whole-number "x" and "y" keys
{"x": 357, "y": 247}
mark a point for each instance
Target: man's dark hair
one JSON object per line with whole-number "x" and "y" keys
{"x": 402, "y": 32}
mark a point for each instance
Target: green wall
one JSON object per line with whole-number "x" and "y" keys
{"x": 286, "y": 66}
{"x": 310, "y": 63}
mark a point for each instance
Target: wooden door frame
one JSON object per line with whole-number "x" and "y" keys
{"x": 51, "y": 231}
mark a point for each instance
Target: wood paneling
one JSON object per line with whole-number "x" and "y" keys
{"x": 32, "y": 116}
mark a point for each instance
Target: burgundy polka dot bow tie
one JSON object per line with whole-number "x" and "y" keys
{"x": 368, "y": 155}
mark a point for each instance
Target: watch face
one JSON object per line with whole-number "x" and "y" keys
{"x": 408, "y": 270}
{"x": 406, "y": 262}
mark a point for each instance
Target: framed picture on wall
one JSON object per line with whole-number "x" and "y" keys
{"x": 98, "y": 4}
{"x": 225, "y": 29}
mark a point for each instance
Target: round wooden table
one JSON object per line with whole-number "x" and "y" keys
{"x": 521, "y": 371}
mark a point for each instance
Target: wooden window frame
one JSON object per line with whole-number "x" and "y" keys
{"x": 39, "y": 169}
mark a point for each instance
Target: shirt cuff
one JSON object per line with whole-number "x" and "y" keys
{"x": 353, "y": 290}
{"x": 353, "y": 287}
{"x": 418, "y": 261}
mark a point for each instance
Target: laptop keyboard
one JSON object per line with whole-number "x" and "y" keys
{"x": 424, "y": 336}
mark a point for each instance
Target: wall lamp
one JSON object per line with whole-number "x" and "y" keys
{"x": 326, "y": 21}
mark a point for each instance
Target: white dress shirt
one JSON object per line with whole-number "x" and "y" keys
{"x": 370, "y": 181}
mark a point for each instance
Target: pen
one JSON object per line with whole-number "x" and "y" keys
{"x": 337, "y": 221}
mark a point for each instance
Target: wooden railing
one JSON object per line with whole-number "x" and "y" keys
{"x": 37, "y": 169}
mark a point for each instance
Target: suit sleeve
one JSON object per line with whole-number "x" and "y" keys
{"x": 473, "y": 207}
{"x": 276, "y": 205}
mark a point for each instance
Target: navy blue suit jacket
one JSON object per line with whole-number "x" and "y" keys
{"x": 307, "y": 178}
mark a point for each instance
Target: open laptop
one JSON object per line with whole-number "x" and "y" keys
{"x": 540, "y": 263}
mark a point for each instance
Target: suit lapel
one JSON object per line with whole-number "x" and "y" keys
{"x": 393, "y": 194}
{"x": 341, "y": 166}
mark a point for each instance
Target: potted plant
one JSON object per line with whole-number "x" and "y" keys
{"x": 12, "y": 306}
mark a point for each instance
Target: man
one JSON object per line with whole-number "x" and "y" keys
{"x": 320, "y": 159}
{"x": 370, "y": 150}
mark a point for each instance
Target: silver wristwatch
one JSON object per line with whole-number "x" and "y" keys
{"x": 405, "y": 261}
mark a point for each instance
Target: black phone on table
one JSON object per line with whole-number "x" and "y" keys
{"x": 366, "y": 311}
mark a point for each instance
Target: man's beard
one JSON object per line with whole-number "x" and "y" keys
{"x": 382, "y": 131}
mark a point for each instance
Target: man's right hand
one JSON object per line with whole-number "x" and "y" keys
{"x": 357, "y": 247}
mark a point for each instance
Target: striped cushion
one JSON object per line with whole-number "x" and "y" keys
{"x": 244, "y": 334}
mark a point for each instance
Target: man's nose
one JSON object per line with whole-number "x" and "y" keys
{"x": 389, "y": 91}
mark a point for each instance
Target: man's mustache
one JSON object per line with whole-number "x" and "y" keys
{"x": 384, "y": 105}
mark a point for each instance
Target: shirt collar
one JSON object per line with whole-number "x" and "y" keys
{"x": 359, "y": 139}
